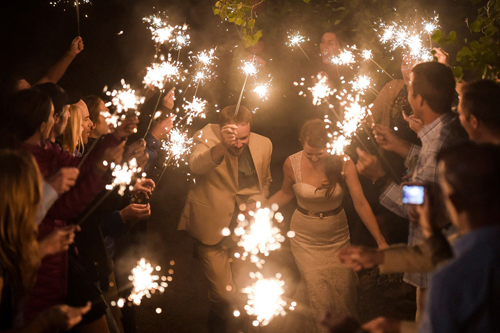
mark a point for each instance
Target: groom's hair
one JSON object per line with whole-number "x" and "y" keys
{"x": 227, "y": 115}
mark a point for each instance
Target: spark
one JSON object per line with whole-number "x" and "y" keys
{"x": 125, "y": 99}
{"x": 80, "y": 2}
{"x": 123, "y": 175}
{"x": 177, "y": 145}
{"x": 249, "y": 68}
{"x": 145, "y": 282}
{"x": 265, "y": 298}
{"x": 296, "y": 39}
{"x": 321, "y": 90}
{"x": 180, "y": 37}
{"x": 345, "y": 57}
{"x": 259, "y": 235}
{"x": 262, "y": 89}
{"x": 111, "y": 119}
{"x": 205, "y": 58}
{"x": 361, "y": 83}
{"x": 366, "y": 54}
{"x": 195, "y": 109}
{"x": 159, "y": 73}
{"x": 160, "y": 30}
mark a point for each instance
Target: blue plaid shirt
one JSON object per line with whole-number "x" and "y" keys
{"x": 439, "y": 134}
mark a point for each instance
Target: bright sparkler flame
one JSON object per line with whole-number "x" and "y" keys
{"x": 123, "y": 175}
{"x": 346, "y": 57}
{"x": 262, "y": 90}
{"x": 145, "y": 282}
{"x": 160, "y": 30}
{"x": 259, "y": 235}
{"x": 195, "y": 109}
{"x": 159, "y": 73}
{"x": 321, "y": 90}
{"x": 180, "y": 37}
{"x": 177, "y": 145}
{"x": 249, "y": 68}
{"x": 410, "y": 37}
{"x": 265, "y": 299}
{"x": 125, "y": 99}
{"x": 361, "y": 83}
{"x": 80, "y": 2}
{"x": 366, "y": 54}
{"x": 296, "y": 39}
{"x": 111, "y": 119}
{"x": 203, "y": 62}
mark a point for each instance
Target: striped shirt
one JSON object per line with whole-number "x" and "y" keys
{"x": 441, "y": 133}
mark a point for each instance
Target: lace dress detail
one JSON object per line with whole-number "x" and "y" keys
{"x": 325, "y": 284}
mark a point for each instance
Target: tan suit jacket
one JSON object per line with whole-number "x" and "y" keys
{"x": 211, "y": 200}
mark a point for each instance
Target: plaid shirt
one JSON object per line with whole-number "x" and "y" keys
{"x": 439, "y": 134}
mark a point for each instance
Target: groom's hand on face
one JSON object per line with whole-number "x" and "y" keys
{"x": 228, "y": 134}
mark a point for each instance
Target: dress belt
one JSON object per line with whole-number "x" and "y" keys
{"x": 320, "y": 214}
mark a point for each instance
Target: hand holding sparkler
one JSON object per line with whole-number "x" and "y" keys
{"x": 63, "y": 179}
{"x": 134, "y": 213}
{"x": 228, "y": 135}
{"x": 389, "y": 141}
{"x": 414, "y": 123}
{"x": 127, "y": 127}
{"x": 168, "y": 100}
{"x": 135, "y": 150}
{"x": 163, "y": 127}
{"x": 111, "y": 155}
{"x": 76, "y": 46}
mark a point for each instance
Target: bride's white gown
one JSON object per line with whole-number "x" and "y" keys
{"x": 325, "y": 284}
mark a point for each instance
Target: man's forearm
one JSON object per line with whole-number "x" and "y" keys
{"x": 217, "y": 153}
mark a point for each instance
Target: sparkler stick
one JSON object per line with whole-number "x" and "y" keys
{"x": 77, "y": 6}
{"x": 249, "y": 69}
{"x": 383, "y": 70}
{"x": 97, "y": 204}
{"x": 295, "y": 40}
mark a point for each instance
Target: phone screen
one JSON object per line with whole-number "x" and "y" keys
{"x": 413, "y": 194}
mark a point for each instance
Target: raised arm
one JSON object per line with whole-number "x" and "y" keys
{"x": 56, "y": 71}
{"x": 361, "y": 204}
{"x": 286, "y": 194}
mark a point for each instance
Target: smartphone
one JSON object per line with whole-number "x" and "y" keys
{"x": 413, "y": 194}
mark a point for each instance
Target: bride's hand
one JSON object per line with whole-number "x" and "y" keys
{"x": 383, "y": 245}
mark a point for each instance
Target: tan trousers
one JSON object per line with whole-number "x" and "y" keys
{"x": 421, "y": 293}
{"x": 225, "y": 273}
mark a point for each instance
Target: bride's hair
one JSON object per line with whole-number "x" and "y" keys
{"x": 316, "y": 135}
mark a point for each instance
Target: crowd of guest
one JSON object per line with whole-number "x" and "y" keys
{"x": 60, "y": 228}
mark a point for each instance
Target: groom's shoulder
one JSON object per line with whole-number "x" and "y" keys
{"x": 262, "y": 140}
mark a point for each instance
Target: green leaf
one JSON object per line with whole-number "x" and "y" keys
{"x": 475, "y": 26}
{"x": 458, "y": 71}
{"x": 257, "y": 35}
{"x": 436, "y": 36}
{"x": 238, "y": 21}
{"x": 491, "y": 30}
{"x": 251, "y": 23}
{"x": 307, "y": 1}
{"x": 337, "y": 22}
{"x": 216, "y": 11}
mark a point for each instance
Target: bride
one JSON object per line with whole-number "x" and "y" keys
{"x": 317, "y": 179}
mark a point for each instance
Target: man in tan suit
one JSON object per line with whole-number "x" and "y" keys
{"x": 231, "y": 167}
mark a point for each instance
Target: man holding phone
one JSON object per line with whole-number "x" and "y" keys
{"x": 430, "y": 94}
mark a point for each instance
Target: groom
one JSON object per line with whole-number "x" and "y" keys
{"x": 231, "y": 167}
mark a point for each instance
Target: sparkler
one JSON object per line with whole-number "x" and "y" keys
{"x": 265, "y": 298}
{"x": 180, "y": 38}
{"x": 123, "y": 175}
{"x": 194, "y": 109}
{"x": 124, "y": 100}
{"x": 296, "y": 39}
{"x": 361, "y": 83}
{"x": 203, "y": 62}
{"x": 409, "y": 37}
{"x": 345, "y": 57}
{"x": 160, "y": 30}
{"x": 76, "y": 3}
{"x": 321, "y": 90}
{"x": 262, "y": 89}
{"x": 177, "y": 145}
{"x": 249, "y": 68}
{"x": 259, "y": 235}
{"x": 367, "y": 55}
{"x": 145, "y": 282}
{"x": 159, "y": 73}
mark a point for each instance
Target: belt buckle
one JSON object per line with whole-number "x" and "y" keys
{"x": 321, "y": 215}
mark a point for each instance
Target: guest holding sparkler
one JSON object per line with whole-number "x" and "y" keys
{"x": 21, "y": 253}
{"x": 317, "y": 179}
{"x": 28, "y": 128}
{"x": 430, "y": 93}
{"x": 232, "y": 167}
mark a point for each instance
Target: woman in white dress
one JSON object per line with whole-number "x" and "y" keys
{"x": 317, "y": 179}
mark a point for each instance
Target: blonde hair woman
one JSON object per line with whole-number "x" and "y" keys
{"x": 20, "y": 252}
{"x": 72, "y": 136}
